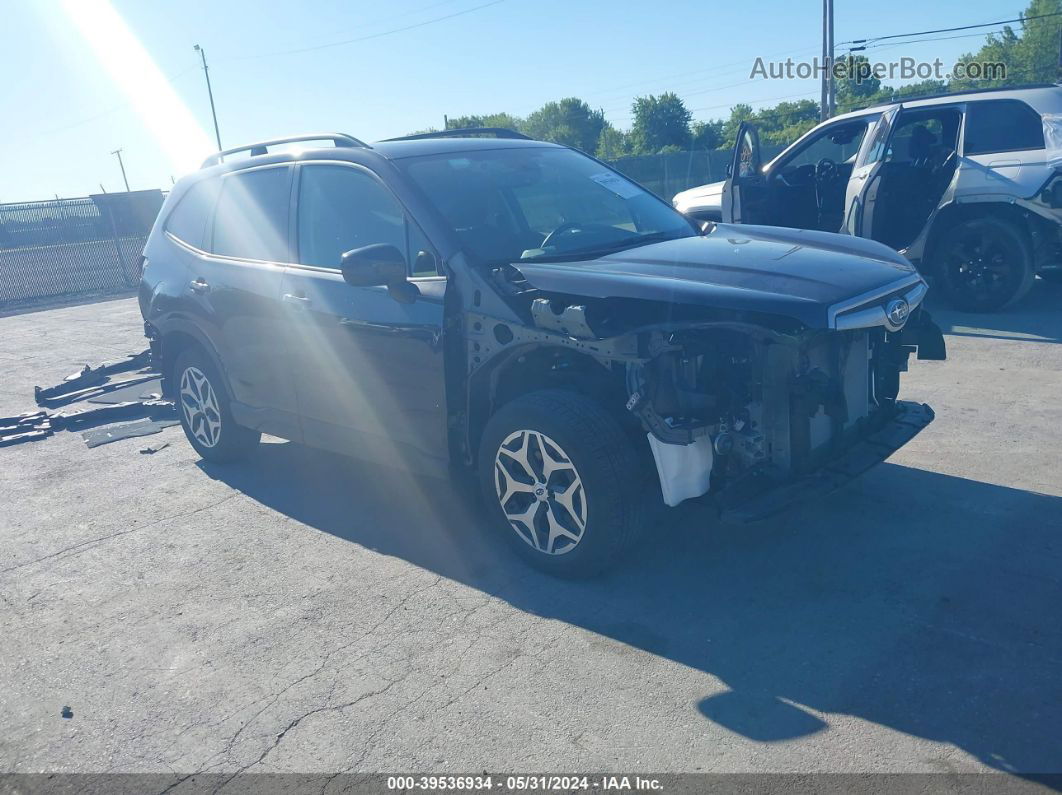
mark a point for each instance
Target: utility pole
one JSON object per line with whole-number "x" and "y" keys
{"x": 121, "y": 165}
{"x": 828, "y": 97}
{"x": 210, "y": 93}
{"x": 833, "y": 82}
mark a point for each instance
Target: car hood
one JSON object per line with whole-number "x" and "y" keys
{"x": 795, "y": 273}
{"x": 703, "y": 197}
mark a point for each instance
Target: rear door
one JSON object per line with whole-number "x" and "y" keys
{"x": 368, "y": 369}
{"x": 863, "y": 185}
{"x": 744, "y": 190}
{"x": 235, "y": 285}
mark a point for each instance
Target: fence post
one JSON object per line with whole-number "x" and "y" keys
{"x": 117, "y": 245}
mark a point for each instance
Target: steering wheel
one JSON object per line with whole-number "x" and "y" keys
{"x": 572, "y": 227}
{"x": 826, "y": 170}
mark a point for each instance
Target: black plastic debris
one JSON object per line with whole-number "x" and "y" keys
{"x": 135, "y": 389}
{"x": 126, "y": 430}
{"x": 88, "y": 378}
{"x": 130, "y": 410}
{"x": 155, "y": 449}
{"x": 26, "y": 427}
{"x": 136, "y": 396}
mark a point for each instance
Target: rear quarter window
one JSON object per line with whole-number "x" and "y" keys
{"x": 1002, "y": 125}
{"x": 188, "y": 221}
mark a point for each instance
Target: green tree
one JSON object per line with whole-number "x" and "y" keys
{"x": 570, "y": 122}
{"x": 613, "y": 144}
{"x": 738, "y": 114}
{"x": 659, "y": 122}
{"x": 858, "y": 88}
{"x": 707, "y": 134}
{"x": 506, "y": 120}
{"x": 1030, "y": 54}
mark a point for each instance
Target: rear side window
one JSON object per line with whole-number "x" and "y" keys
{"x": 251, "y": 220}
{"x": 188, "y": 221}
{"x": 1002, "y": 125}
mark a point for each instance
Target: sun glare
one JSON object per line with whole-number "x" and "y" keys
{"x": 174, "y": 127}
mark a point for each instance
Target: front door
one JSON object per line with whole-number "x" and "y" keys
{"x": 744, "y": 190}
{"x": 368, "y": 368}
{"x": 865, "y": 182}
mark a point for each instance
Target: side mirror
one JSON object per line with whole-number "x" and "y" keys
{"x": 371, "y": 266}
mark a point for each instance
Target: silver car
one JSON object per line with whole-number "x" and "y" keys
{"x": 964, "y": 185}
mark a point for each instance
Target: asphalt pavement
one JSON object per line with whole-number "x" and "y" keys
{"x": 304, "y": 612}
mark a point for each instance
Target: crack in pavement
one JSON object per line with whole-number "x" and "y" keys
{"x": 85, "y": 545}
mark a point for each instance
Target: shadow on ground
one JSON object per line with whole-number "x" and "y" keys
{"x": 1038, "y": 317}
{"x": 921, "y": 602}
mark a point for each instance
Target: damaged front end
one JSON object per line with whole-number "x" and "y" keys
{"x": 742, "y": 413}
{"x": 756, "y": 412}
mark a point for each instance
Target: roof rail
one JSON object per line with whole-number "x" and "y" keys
{"x": 465, "y": 132}
{"x": 262, "y": 147}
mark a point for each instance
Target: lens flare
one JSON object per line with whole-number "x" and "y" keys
{"x": 134, "y": 71}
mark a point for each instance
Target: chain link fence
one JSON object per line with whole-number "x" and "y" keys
{"x": 71, "y": 247}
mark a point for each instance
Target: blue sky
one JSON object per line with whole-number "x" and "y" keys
{"x": 64, "y": 112}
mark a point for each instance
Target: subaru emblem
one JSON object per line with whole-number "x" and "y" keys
{"x": 898, "y": 311}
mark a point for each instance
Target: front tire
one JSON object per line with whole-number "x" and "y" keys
{"x": 203, "y": 406}
{"x": 984, "y": 265}
{"x": 561, "y": 482}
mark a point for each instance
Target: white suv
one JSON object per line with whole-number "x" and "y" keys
{"x": 963, "y": 184}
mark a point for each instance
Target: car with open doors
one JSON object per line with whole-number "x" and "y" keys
{"x": 478, "y": 302}
{"x": 963, "y": 184}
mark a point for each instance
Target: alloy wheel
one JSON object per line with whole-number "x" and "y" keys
{"x": 540, "y": 492}
{"x": 980, "y": 266}
{"x": 199, "y": 404}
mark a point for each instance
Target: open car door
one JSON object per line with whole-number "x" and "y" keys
{"x": 745, "y": 187}
{"x": 865, "y": 182}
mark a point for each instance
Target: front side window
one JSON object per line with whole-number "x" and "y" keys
{"x": 839, "y": 143}
{"x": 536, "y": 203}
{"x": 343, "y": 208}
{"x": 188, "y": 221}
{"x": 251, "y": 220}
{"x": 1002, "y": 125}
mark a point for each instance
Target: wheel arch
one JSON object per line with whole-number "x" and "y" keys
{"x": 956, "y": 213}
{"x": 176, "y": 339}
{"x": 533, "y": 367}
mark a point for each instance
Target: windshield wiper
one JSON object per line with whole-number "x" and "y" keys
{"x": 611, "y": 248}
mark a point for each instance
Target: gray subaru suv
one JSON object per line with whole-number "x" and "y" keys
{"x": 964, "y": 185}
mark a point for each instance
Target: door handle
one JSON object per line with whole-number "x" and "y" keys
{"x": 298, "y": 300}
{"x": 199, "y": 285}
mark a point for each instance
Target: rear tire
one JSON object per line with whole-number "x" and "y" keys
{"x": 984, "y": 265}
{"x": 203, "y": 405}
{"x": 561, "y": 482}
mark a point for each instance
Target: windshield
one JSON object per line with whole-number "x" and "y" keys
{"x": 536, "y": 203}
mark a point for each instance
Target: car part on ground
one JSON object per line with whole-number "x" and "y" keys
{"x": 95, "y": 385}
{"x": 127, "y": 430}
{"x": 29, "y": 427}
{"x": 85, "y": 382}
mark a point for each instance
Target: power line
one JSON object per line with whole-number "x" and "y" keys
{"x": 343, "y": 42}
{"x": 952, "y": 30}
